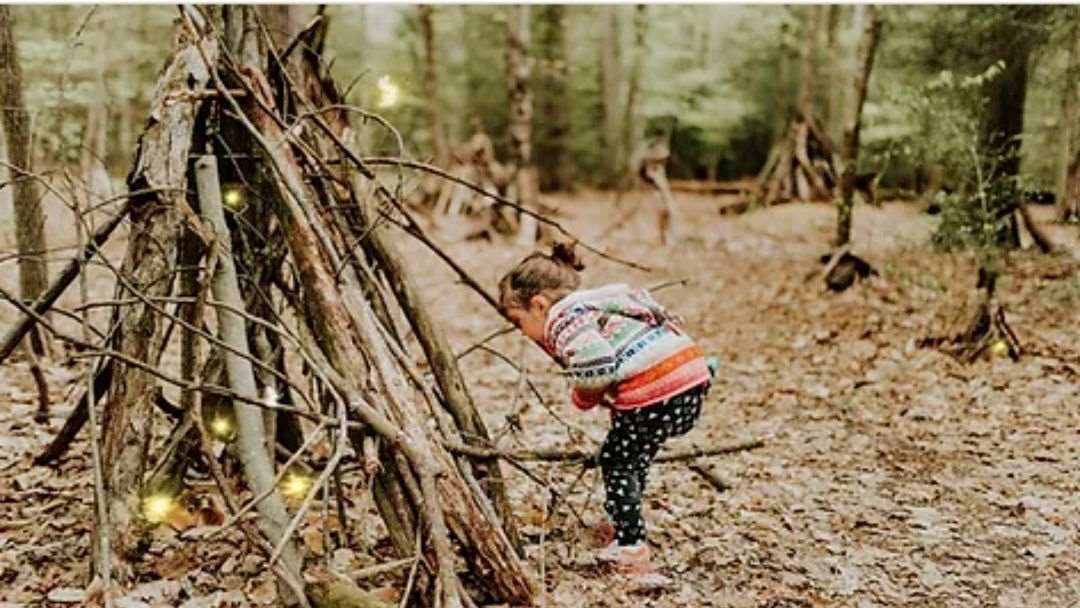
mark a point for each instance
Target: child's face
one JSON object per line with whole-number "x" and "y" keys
{"x": 531, "y": 319}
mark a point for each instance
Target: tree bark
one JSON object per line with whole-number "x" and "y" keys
{"x": 552, "y": 92}
{"x": 1068, "y": 205}
{"x": 806, "y": 60}
{"x": 521, "y": 113}
{"x": 1003, "y": 121}
{"x": 432, "y": 105}
{"x": 29, "y": 219}
{"x": 853, "y": 122}
{"x": 833, "y": 98}
{"x": 161, "y": 162}
{"x": 633, "y": 129}
{"x": 611, "y": 82}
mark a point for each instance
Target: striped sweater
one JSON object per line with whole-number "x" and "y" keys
{"x": 620, "y": 342}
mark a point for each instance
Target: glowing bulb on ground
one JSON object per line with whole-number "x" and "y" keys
{"x": 233, "y": 199}
{"x": 295, "y": 485}
{"x": 222, "y": 428}
{"x": 1000, "y": 348}
{"x": 156, "y": 507}
{"x": 388, "y": 92}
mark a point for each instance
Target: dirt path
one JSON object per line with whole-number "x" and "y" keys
{"x": 890, "y": 477}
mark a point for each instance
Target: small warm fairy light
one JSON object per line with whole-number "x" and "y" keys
{"x": 157, "y": 507}
{"x": 295, "y": 484}
{"x": 233, "y": 198}
{"x": 222, "y": 428}
{"x": 388, "y": 92}
{"x": 1000, "y": 348}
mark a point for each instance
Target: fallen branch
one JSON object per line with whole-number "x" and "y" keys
{"x": 710, "y": 476}
{"x": 589, "y": 459}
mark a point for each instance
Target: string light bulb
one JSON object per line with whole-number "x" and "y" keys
{"x": 157, "y": 507}
{"x": 233, "y": 199}
{"x": 222, "y": 428}
{"x": 295, "y": 484}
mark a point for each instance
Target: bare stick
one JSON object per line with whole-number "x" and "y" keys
{"x": 710, "y": 476}
{"x": 100, "y": 498}
{"x": 574, "y": 455}
{"x": 251, "y": 435}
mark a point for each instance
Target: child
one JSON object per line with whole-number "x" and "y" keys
{"x": 624, "y": 351}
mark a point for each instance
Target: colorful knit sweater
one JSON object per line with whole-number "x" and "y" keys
{"x": 620, "y": 342}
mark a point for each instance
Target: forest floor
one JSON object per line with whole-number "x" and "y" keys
{"x": 890, "y": 475}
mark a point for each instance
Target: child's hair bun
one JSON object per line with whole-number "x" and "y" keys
{"x": 564, "y": 254}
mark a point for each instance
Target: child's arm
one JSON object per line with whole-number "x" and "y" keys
{"x": 589, "y": 358}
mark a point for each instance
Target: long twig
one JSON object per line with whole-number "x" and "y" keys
{"x": 579, "y": 456}
{"x": 100, "y": 500}
{"x": 501, "y": 200}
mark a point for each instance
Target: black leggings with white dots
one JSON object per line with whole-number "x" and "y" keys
{"x": 632, "y": 443}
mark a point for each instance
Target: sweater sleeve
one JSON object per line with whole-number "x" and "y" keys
{"x": 590, "y": 359}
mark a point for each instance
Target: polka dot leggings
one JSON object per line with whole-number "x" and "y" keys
{"x": 632, "y": 443}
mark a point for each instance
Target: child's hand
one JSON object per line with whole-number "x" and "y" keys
{"x": 585, "y": 399}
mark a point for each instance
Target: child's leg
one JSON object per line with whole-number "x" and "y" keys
{"x": 621, "y": 465}
{"x": 672, "y": 418}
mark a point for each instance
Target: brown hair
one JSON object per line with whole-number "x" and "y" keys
{"x": 554, "y": 275}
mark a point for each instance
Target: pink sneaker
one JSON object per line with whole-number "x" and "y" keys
{"x": 629, "y": 559}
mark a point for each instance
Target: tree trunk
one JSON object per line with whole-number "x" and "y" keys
{"x": 29, "y": 219}
{"x": 432, "y": 105}
{"x": 283, "y": 22}
{"x": 853, "y": 123}
{"x": 1003, "y": 122}
{"x": 611, "y": 82}
{"x": 552, "y": 92}
{"x": 161, "y": 162}
{"x": 832, "y": 108}
{"x": 806, "y": 60}
{"x": 633, "y": 129}
{"x": 521, "y": 110}
{"x": 1068, "y": 205}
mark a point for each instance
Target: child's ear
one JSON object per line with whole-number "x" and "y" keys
{"x": 540, "y": 303}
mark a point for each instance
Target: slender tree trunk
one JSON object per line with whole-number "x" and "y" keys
{"x": 611, "y": 82}
{"x": 832, "y": 98}
{"x": 806, "y": 60}
{"x": 552, "y": 92}
{"x": 782, "y": 96}
{"x": 632, "y": 127}
{"x": 1070, "y": 99}
{"x": 1006, "y": 94}
{"x": 29, "y": 219}
{"x": 520, "y": 98}
{"x": 432, "y": 105}
{"x": 853, "y": 122}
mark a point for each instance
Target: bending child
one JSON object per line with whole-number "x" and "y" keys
{"x": 623, "y": 351}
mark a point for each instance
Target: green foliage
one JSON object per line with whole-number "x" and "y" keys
{"x": 945, "y": 130}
